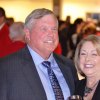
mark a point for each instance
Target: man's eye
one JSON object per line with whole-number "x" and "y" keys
{"x": 54, "y": 29}
{"x": 44, "y": 29}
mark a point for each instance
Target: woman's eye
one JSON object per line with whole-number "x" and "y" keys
{"x": 94, "y": 54}
{"x": 82, "y": 53}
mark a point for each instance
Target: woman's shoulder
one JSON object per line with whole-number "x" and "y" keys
{"x": 81, "y": 82}
{"x": 80, "y": 86}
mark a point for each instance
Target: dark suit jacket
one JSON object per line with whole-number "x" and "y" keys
{"x": 19, "y": 79}
{"x": 81, "y": 86}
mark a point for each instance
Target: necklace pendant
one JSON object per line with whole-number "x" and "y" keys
{"x": 87, "y": 91}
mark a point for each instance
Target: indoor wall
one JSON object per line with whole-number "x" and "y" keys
{"x": 19, "y": 9}
{"x": 78, "y": 8}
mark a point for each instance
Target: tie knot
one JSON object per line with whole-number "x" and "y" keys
{"x": 47, "y": 64}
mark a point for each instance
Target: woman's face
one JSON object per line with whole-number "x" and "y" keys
{"x": 89, "y": 62}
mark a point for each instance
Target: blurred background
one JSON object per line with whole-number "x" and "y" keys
{"x": 19, "y": 9}
{"x": 77, "y": 19}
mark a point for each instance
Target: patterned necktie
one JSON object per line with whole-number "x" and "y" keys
{"x": 54, "y": 82}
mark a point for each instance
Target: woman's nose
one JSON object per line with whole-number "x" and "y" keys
{"x": 88, "y": 57}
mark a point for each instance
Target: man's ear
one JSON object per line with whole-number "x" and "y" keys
{"x": 27, "y": 35}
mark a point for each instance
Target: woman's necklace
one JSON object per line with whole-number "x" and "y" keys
{"x": 89, "y": 90}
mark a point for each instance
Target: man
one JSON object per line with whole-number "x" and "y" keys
{"x": 4, "y": 32}
{"x": 18, "y": 39}
{"x": 23, "y": 75}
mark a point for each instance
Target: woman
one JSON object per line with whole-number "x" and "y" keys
{"x": 87, "y": 61}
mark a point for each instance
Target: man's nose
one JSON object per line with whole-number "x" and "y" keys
{"x": 50, "y": 32}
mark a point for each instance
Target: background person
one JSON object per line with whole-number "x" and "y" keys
{"x": 4, "y": 32}
{"x": 87, "y": 61}
{"x": 22, "y": 74}
{"x": 17, "y": 36}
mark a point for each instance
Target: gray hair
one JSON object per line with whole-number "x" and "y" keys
{"x": 37, "y": 14}
{"x": 93, "y": 39}
{"x": 16, "y": 29}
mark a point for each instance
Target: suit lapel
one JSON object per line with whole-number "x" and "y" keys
{"x": 32, "y": 76}
{"x": 66, "y": 73}
{"x": 33, "y": 79}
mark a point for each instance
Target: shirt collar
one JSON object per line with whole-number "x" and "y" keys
{"x": 38, "y": 59}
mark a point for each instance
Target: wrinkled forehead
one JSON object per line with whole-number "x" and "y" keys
{"x": 47, "y": 20}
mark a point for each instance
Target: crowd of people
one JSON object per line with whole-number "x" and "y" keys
{"x": 11, "y": 35}
{"x": 41, "y": 58}
{"x": 70, "y": 34}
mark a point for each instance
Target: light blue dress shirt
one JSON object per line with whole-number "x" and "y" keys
{"x": 42, "y": 71}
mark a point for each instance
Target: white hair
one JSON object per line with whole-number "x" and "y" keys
{"x": 16, "y": 29}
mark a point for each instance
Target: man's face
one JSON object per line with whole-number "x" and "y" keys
{"x": 44, "y": 36}
{"x": 2, "y": 19}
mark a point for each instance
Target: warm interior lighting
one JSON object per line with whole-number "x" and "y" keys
{"x": 73, "y": 10}
{"x": 77, "y": 8}
{"x": 19, "y": 9}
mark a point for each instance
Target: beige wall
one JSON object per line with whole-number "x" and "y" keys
{"x": 19, "y": 9}
{"x": 78, "y": 8}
